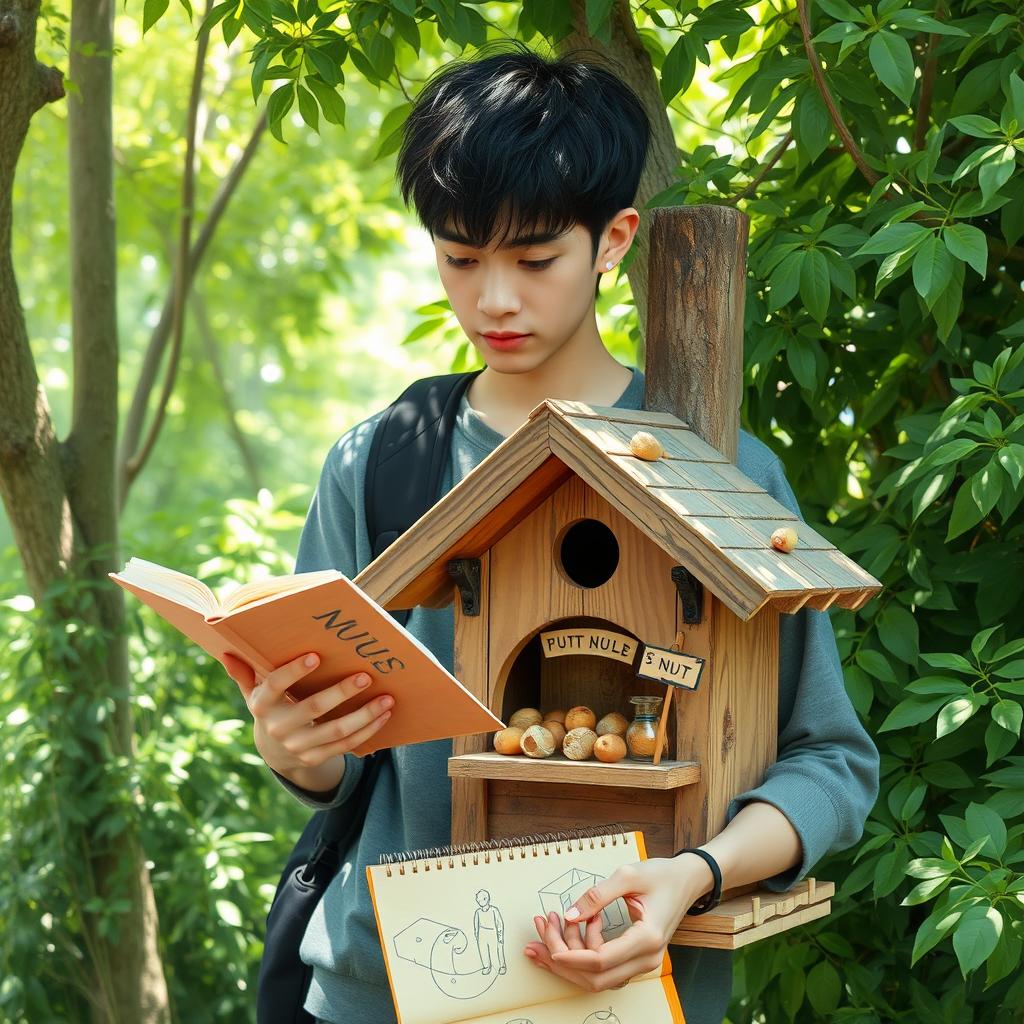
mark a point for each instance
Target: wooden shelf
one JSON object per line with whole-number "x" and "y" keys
{"x": 558, "y": 768}
{"x": 756, "y": 915}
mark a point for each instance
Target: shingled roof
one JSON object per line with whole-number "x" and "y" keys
{"x": 692, "y": 502}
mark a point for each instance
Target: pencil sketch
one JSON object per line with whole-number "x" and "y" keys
{"x": 560, "y": 894}
{"x": 602, "y": 1017}
{"x": 442, "y": 949}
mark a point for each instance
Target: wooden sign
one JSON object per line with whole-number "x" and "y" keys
{"x": 671, "y": 667}
{"x": 598, "y": 642}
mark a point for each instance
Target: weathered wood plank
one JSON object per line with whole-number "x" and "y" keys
{"x": 667, "y": 775}
{"x": 694, "y": 332}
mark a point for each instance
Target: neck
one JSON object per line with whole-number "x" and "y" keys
{"x": 582, "y": 370}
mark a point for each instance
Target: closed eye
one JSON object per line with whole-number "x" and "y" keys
{"x": 532, "y": 264}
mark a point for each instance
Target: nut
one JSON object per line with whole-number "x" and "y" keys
{"x": 555, "y": 716}
{"x": 646, "y": 446}
{"x": 556, "y": 729}
{"x": 578, "y": 744}
{"x": 784, "y": 539}
{"x": 506, "y": 741}
{"x": 580, "y": 717}
{"x": 613, "y": 722}
{"x": 537, "y": 742}
{"x": 525, "y": 717}
{"x": 610, "y": 748}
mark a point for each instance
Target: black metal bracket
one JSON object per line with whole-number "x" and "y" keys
{"x": 691, "y": 594}
{"x": 466, "y": 573}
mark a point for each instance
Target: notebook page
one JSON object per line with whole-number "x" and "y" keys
{"x": 640, "y": 1002}
{"x": 453, "y": 936}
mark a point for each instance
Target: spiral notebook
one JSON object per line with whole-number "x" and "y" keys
{"x": 453, "y": 923}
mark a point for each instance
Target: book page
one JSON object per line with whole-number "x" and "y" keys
{"x": 453, "y": 931}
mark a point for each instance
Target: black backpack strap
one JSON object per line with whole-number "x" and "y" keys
{"x": 414, "y": 432}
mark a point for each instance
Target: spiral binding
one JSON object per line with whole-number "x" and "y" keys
{"x": 434, "y": 857}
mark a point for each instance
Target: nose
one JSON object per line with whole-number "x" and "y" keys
{"x": 498, "y": 294}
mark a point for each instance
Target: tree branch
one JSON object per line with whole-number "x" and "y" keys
{"x": 924, "y": 106}
{"x": 843, "y": 132}
{"x": 772, "y": 160}
{"x": 51, "y": 84}
{"x": 161, "y": 333}
{"x": 209, "y": 337}
{"x": 180, "y": 281}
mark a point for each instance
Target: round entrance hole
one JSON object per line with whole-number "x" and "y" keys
{"x": 589, "y": 553}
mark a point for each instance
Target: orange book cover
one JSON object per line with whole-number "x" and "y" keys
{"x": 270, "y": 622}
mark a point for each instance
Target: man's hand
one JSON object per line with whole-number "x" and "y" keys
{"x": 285, "y": 732}
{"x": 657, "y": 893}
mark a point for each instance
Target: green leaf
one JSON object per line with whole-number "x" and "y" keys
{"x": 152, "y": 12}
{"x": 812, "y": 125}
{"x": 892, "y": 238}
{"x": 969, "y": 244}
{"x": 814, "y": 284}
{"x": 977, "y": 126}
{"x": 800, "y": 356}
{"x": 390, "y": 133}
{"x": 996, "y": 171}
{"x": 597, "y": 14}
{"x": 912, "y": 712}
{"x": 893, "y": 63}
{"x": 983, "y": 821}
{"x": 308, "y": 108}
{"x": 1008, "y": 714}
{"x": 986, "y": 486}
{"x": 330, "y": 102}
{"x": 932, "y": 931}
{"x": 897, "y": 629}
{"x": 278, "y": 105}
{"x": 1011, "y": 458}
{"x": 975, "y": 937}
{"x": 956, "y": 662}
{"x": 1016, "y": 97}
{"x": 785, "y": 280}
{"x": 875, "y": 664}
{"x": 824, "y": 988}
{"x": 677, "y": 69}
{"x": 954, "y": 715}
{"x": 966, "y": 512}
{"x": 932, "y": 270}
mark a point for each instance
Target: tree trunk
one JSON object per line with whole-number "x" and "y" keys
{"x": 626, "y": 56}
{"x": 60, "y": 499}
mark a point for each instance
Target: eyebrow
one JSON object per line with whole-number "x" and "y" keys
{"x": 537, "y": 238}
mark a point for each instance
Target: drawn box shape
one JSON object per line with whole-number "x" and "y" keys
{"x": 414, "y": 943}
{"x": 559, "y": 895}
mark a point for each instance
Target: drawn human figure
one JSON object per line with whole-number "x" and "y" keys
{"x": 489, "y": 930}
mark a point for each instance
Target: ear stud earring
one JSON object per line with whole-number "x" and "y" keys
{"x": 608, "y": 265}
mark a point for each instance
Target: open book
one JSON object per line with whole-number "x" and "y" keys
{"x": 273, "y": 621}
{"x": 453, "y": 924}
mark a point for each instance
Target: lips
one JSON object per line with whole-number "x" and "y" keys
{"x": 504, "y": 342}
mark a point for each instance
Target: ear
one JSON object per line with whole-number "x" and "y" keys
{"x": 618, "y": 236}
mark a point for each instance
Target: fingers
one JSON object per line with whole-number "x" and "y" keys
{"x": 271, "y": 690}
{"x": 328, "y": 734}
{"x": 621, "y": 882}
{"x": 317, "y": 755}
{"x": 241, "y": 672}
{"x": 636, "y": 941}
{"x": 292, "y": 717}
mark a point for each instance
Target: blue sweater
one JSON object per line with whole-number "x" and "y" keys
{"x": 825, "y": 779}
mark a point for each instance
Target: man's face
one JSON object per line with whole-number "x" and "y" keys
{"x": 541, "y": 289}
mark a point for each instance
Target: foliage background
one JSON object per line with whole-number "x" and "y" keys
{"x": 883, "y": 364}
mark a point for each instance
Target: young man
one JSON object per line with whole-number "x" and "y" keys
{"x": 524, "y": 171}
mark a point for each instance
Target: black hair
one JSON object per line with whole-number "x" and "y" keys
{"x": 515, "y": 139}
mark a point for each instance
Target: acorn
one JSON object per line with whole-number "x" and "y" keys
{"x": 580, "y": 717}
{"x": 556, "y": 729}
{"x": 646, "y": 446}
{"x": 525, "y": 717}
{"x": 506, "y": 741}
{"x": 578, "y": 744}
{"x": 784, "y": 539}
{"x": 613, "y": 722}
{"x": 537, "y": 742}
{"x": 610, "y": 748}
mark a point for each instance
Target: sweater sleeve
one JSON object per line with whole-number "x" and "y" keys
{"x": 328, "y": 542}
{"x": 825, "y": 778}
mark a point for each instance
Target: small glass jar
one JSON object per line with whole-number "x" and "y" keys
{"x": 643, "y": 730}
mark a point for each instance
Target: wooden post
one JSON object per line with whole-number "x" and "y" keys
{"x": 696, "y": 279}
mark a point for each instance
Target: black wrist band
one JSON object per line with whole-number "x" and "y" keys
{"x": 709, "y": 900}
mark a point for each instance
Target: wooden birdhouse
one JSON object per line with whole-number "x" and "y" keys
{"x": 584, "y": 574}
